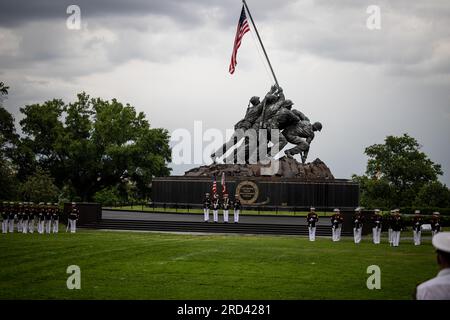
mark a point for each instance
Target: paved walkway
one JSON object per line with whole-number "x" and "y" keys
{"x": 137, "y": 215}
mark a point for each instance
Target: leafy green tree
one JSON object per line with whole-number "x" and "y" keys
{"x": 396, "y": 171}
{"x": 8, "y": 141}
{"x": 43, "y": 131}
{"x": 107, "y": 196}
{"x": 375, "y": 193}
{"x": 434, "y": 194}
{"x": 3, "y": 89}
{"x": 93, "y": 144}
{"x": 8, "y": 136}
{"x": 68, "y": 194}
{"x": 40, "y": 187}
{"x": 8, "y": 181}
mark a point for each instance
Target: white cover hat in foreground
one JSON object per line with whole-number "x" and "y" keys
{"x": 441, "y": 241}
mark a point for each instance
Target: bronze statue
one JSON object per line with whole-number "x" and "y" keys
{"x": 254, "y": 111}
{"x": 274, "y": 115}
{"x": 301, "y": 134}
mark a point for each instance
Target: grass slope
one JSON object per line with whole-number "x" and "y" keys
{"x": 127, "y": 265}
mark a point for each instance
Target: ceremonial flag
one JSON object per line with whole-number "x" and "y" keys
{"x": 242, "y": 28}
{"x": 224, "y": 187}
{"x": 214, "y": 186}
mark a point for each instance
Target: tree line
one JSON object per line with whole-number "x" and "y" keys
{"x": 104, "y": 151}
{"x": 88, "y": 150}
{"x": 400, "y": 175}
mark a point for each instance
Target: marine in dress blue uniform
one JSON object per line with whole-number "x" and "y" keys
{"x": 397, "y": 226}
{"x": 216, "y": 207}
{"x": 358, "y": 220}
{"x": 377, "y": 224}
{"x": 435, "y": 223}
{"x": 311, "y": 220}
{"x": 336, "y": 225}
{"x": 417, "y": 227}
{"x": 5, "y": 215}
{"x": 206, "y": 207}
{"x": 226, "y": 204}
{"x": 237, "y": 206}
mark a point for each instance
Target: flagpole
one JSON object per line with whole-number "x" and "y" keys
{"x": 259, "y": 38}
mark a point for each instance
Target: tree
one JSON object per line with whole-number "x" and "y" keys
{"x": 8, "y": 136}
{"x": 93, "y": 144}
{"x": 107, "y": 196}
{"x": 40, "y": 187}
{"x": 8, "y": 181}
{"x": 8, "y": 141}
{"x": 396, "y": 171}
{"x": 434, "y": 194}
{"x": 3, "y": 89}
{"x": 375, "y": 193}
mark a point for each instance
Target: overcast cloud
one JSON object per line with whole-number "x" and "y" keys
{"x": 170, "y": 59}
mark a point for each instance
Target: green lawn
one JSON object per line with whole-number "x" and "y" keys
{"x": 127, "y": 265}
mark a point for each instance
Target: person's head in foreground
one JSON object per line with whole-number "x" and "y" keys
{"x": 312, "y": 210}
{"x": 438, "y": 288}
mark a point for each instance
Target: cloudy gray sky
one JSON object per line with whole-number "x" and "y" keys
{"x": 170, "y": 59}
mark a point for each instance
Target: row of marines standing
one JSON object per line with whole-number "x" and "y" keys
{"x": 26, "y": 216}
{"x": 215, "y": 204}
{"x": 394, "y": 221}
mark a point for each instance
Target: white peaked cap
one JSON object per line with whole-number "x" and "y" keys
{"x": 437, "y": 213}
{"x": 441, "y": 241}
{"x": 337, "y": 210}
{"x": 417, "y": 211}
{"x": 358, "y": 209}
{"x": 377, "y": 210}
{"x": 312, "y": 209}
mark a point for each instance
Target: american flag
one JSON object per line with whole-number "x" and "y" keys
{"x": 242, "y": 29}
{"x": 214, "y": 186}
{"x": 224, "y": 187}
